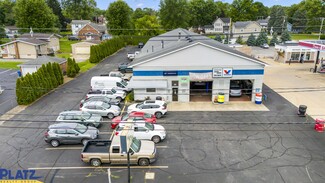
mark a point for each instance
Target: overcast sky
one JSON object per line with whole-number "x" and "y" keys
{"x": 154, "y": 4}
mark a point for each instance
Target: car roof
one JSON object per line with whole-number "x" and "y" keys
{"x": 160, "y": 102}
{"x": 99, "y": 103}
{"x": 139, "y": 113}
{"x": 63, "y": 126}
{"x": 71, "y": 112}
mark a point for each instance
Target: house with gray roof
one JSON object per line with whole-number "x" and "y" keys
{"x": 92, "y": 31}
{"x": 53, "y": 43}
{"x": 263, "y": 22}
{"x": 219, "y": 26}
{"x": 183, "y": 66}
{"x": 245, "y": 29}
{"x": 33, "y": 65}
{"x": 77, "y": 24}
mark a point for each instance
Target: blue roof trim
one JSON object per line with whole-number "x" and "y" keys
{"x": 186, "y": 72}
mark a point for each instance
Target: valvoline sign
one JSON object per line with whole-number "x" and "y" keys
{"x": 227, "y": 72}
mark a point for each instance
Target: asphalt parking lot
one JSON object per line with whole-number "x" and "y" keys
{"x": 269, "y": 146}
{"x": 8, "y": 82}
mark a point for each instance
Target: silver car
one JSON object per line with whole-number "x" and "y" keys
{"x": 69, "y": 133}
{"x": 101, "y": 108}
{"x": 235, "y": 90}
{"x": 84, "y": 118}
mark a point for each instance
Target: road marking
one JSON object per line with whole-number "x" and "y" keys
{"x": 308, "y": 174}
{"x": 79, "y": 148}
{"x": 13, "y": 73}
{"x": 92, "y": 167}
{"x": 5, "y": 71}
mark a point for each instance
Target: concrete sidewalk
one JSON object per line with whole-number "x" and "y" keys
{"x": 298, "y": 85}
{"x": 209, "y": 106}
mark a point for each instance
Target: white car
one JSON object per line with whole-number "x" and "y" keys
{"x": 1, "y": 90}
{"x": 101, "y": 108}
{"x": 146, "y": 131}
{"x": 155, "y": 107}
{"x": 110, "y": 93}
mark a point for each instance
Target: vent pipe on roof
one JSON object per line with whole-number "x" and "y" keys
{"x": 179, "y": 35}
{"x": 162, "y": 43}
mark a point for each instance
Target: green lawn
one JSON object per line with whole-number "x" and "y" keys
{"x": 85, "y": 66}
{"x": 9, "y": 65}
{"x": 303, "y": 36}
{"x": 65, "y": 45}
{"x": 4, "y": 40}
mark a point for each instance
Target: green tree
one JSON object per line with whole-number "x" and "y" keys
{"x": 243, "y": 10}
{"x": 76, "y": 66}
{"x": 69, "y": 63}
{"x": 274, "y": 39}
{"x": 78, "y": 9}
{"x": 202, "y": 12}
{"x": 224, "y": 9}
{"x": 218, "y": 38}
{"x": 19, "y": 91}
{"x": 315, "y": 9}
{"x": 148, "y": 26}
{"x": 35, "y": 14}
{"x": 261, "y": 39}
{"x": 2, "y": 32}
{"x": 174, "y": 14}
{"x": 251, "y": 41}
{"x": 226, "y": 41}
{"x": 285, "y": 36}
{"x": 57, "y": 10}
{"x": 51, "y": 73}
{"x": 119, "y": 17}
{"x": 6, "y": 12}
{"x": 239, "y": 40}
{"x": 277, "y": 19}
{"x": 299, "y": 20}
{"x": 261, "y": 10}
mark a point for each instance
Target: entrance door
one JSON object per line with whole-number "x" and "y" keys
{"x": 175, "y": 94}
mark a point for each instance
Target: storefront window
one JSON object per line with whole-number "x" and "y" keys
{"x": 295, "y": 56}
{"x": 307, "y": 56}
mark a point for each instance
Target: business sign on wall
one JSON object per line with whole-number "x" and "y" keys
{"x": 170, "y": 73}
{"x": 222, "y": 72}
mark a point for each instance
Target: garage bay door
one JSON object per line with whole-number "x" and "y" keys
{"x": 83, "y": 50}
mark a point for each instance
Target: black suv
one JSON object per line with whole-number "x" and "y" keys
{"x": 73, "y": 38}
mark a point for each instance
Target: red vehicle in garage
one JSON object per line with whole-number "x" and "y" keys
{"x": 137, "y": 116}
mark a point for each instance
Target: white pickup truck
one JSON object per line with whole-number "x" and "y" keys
{"x": 131, "y": 56}
{"x": 1, "y": 89}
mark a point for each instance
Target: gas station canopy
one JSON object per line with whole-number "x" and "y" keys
{"x": 318, "y": 45}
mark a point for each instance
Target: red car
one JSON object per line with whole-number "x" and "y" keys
{"x": 138, "y": 116}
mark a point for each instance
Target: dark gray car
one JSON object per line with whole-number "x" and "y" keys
{"x": 69, "y": 133}
{"x": 102, "y": 99}
{"x": 80, "y": 117}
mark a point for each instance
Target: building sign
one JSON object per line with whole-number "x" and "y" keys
{"x": 217, "y": 72}
{"x": 184, "y": 79}
{"x": 227, "y": 72}
{"x": 170, "y": 73}
{"x": 317, "y": 46}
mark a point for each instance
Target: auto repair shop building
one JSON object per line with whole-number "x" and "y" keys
{"x": 184, "y": 66}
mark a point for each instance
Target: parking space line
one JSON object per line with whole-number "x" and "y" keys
{"x": 92, "y": 167}
{"x": 5, "y": 71}
{"x": 105, "y": 133}
{"x": 80, "y": 147}
{"x": 13, "y": 73}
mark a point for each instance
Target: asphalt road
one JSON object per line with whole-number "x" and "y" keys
{"x": 273, "y": 146}
{"x": 8, "y": 82}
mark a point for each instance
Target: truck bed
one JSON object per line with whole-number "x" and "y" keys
{"x": 97, "y": 146}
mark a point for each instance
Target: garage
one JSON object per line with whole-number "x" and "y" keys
{"x": 240, "y": 90}
{"x": 81, "y": 50}
{"x": 196, "y": 69}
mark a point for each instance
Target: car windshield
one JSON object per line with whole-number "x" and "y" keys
{"x": 235, "y": 87}
{"x": 106, "y": 105}
{"x": 139, "y": 105}
{"x": 81, "y": 128}
{"x": 124, "y": 83}
{"x": 136, "y": 145}
{"x": 125, "y": 117}
{"x": 113, "y": 90}
{"x": 85, "y": 115}
{"x": 147, "y": 115}
{"x": 150, "y": 126}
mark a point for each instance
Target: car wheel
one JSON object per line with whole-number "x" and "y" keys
{"x": 55, "y": 143}
{"x": 110, "y": 115}
{"x": 84, "y": 141}
{"x": 143, "y": 162}
{"x": 95, "y": 162}
{"x": 158, "y": 115}
{"x": 119, "y": 98}
{"x": 156, "y": 139}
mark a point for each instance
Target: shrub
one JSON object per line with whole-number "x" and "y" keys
{"x": 130, "y": 97}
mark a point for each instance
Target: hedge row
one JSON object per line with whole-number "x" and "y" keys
{"x": 33, "y": 86}
{"x": 72, "y": 68}
{"x": 108, "y": 47}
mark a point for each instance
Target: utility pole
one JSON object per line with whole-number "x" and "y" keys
{"x": 321, "y": 26}
{"x": 284, "y": 20}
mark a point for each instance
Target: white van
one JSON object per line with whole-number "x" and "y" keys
{"x": 106, "y": 82}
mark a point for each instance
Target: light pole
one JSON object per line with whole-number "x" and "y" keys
{"x": 321, "y": 26}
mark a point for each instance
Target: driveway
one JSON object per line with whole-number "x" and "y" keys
{"x": 8, "y": 79}
{"x": 255, "y": 146}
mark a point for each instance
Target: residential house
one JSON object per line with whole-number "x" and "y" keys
{"x": 245, "y": 29}
{"x": 92, "y": 31}
{"x": 33, "y": 65}
{"x": 263, "y": 22}
{"x": 11, "y": 31}
{"x": 81, "y": 50}
{"x": 27, "y": 48}
{"x": 220, "y": 25}
{"x": 77, "y": 24}
{"x": 51, "y": 39}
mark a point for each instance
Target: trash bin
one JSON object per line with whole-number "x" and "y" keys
{"x": 221, "y": 98}
{"x": 158, "y": 98}
{"x": 319, "y": 124}
{"x": 258, "y": 98}
{"x": 302, "y": 110}
{"x": 19, "y": 73}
